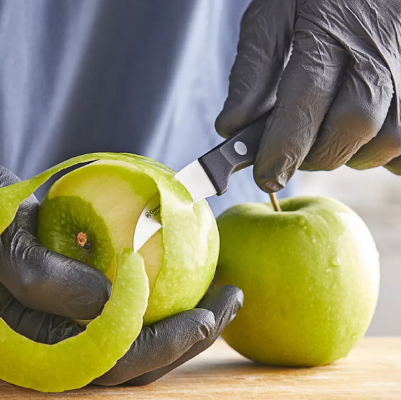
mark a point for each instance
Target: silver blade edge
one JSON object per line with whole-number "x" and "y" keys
{"x": 198, "y": 184}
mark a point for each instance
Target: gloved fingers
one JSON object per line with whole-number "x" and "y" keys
{"x": 263, "y": 49}
{"x": 28, "y": 211}
{"x": 160, "y": 345}
{"x": 35, "y": 325}
{"x": 7, "y": 177}
{"x": 394, "y": 166}
{"x": 355, "y": 117}
{"x": 50, "y": 282}
{"x": 224, "y": 302}
{"x": 308, "y": 86}
{"x": 383, "y": 148}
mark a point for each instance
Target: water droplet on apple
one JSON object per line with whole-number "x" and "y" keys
{"x": 328, "y": 270}
{"x": 305, "y": 227}
{"x": 335, "y": 261}
{"x": 313, "y": 240}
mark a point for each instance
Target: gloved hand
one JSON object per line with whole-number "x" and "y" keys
{"x": 42, "y": 291}
{"x": 334, "y": 100}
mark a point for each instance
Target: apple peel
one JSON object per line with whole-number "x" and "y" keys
{"x": 76, "y": 361}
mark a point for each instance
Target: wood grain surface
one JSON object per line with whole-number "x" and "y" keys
{"x": 371, "y": 371}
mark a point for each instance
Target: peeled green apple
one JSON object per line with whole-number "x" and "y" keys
{"x": 310, "y": 276}
{"x": 93, "y": 219}
{"x": 99, "y": 204}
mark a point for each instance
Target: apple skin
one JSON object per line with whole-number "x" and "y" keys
{"x": 117, "y": 192}
{"x": 310, "y": 276}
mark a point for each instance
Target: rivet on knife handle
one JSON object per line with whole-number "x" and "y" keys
{"x": 237, "y": 152}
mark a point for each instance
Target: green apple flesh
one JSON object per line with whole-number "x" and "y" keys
{"x": 189, "y": 246}
{"x": 310, "y": 276}
{"x": 103, "y": 201}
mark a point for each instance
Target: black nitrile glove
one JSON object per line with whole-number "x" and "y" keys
{"x": 335, "y": 99}
{"x": 42, "y": 291}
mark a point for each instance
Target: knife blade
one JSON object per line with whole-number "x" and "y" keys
{"x": 206, "y": 176}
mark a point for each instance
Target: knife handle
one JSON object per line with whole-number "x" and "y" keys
{"x": 237, "y": 152}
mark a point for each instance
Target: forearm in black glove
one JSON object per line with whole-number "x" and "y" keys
{"x": 41, "y": 292}
{"x": 334, "y": 99}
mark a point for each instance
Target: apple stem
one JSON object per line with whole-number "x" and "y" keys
{"x": 275, "y": 202}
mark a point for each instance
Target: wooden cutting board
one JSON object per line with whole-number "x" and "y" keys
{"x": 371, "y": 371}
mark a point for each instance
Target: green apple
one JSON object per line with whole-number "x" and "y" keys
{"x": 90, "y": 215}
{"x": 310, "y": 276}
{"x": 100, "y": 204}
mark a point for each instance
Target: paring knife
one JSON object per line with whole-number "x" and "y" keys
{"x": 206, "y": 176}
